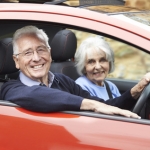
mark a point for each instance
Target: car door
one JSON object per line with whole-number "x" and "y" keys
{"x": 22, "y": 129}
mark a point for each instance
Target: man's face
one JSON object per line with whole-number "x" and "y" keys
{"x": 36, "y": 66}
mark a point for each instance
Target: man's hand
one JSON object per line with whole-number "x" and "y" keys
{"x": 99, "y": 107}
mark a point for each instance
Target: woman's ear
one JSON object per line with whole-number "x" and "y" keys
{"x": 84, "y": 71}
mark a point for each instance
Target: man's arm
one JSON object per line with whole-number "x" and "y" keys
{"x": 99, "y": 107}
{"x": 43, "y": 99}
{"x": 125, "y": 101}
{"x": 106, "y": 109}
{"x": 39, "y": 98}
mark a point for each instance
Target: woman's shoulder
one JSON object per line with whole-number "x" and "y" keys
{"x": 83, "y": 79}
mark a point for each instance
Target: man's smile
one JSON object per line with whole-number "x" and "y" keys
{"x": 37, "y": 67}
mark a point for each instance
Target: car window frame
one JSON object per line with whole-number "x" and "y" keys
{"x": 90, "y": 114}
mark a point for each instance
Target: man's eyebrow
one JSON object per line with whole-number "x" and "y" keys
{"x": 32, "y": 49}
{"x": 26, "y": 50}
{"x": 42, "y": 46}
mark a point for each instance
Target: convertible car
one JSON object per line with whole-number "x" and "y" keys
{"x": 126, "y": 29}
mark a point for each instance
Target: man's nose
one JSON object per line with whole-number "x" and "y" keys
{"x": 35, "y": 57}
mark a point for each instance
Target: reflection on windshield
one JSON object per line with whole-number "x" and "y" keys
{"x": 141, "y": 17}
{"x": 113, "y": 9}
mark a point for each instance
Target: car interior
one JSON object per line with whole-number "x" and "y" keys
{"x": 62, "y": 56}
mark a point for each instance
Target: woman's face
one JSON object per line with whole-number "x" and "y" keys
{"x": 96, "y": 66}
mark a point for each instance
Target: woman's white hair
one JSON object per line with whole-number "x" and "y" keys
{"x": 98, "y": 43}
{"x": 29, "y": 30}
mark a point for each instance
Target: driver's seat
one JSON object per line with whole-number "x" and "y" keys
{"x": 7, "y": 65}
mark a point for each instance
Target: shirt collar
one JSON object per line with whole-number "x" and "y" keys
{"x": 29, "y": 82}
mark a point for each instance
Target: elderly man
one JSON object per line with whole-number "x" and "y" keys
{"x": 38, "y": 89}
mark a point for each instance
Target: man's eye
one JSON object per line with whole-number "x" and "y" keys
{"x": 41, "y": 50}
{"x": 28, "y": 53}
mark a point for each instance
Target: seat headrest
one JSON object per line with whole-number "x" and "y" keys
{"x": 63, "y": 45}
{"x": 7, "y": 64}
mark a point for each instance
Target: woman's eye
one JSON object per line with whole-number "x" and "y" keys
{"x": 91, "y": 62}
{"x": 103, "y": 60}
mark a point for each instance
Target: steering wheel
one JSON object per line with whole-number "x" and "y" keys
{"x": 142, "y": 99}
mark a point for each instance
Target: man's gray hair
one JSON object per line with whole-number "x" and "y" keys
{"x": 98, "y": 43}
{"x": 29, "y": 30}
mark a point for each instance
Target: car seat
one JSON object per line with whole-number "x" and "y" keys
{"x": 7, "y": 64}
{"x": 63, "y": 48}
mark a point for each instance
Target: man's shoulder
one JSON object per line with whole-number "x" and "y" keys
{"x": 61, "y": 76}
{"x": 12, "y": 82}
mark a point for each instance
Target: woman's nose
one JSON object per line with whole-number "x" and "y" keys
{"x": 97, "y": 65}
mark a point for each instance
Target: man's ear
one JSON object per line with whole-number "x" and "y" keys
{"x": 16, "y": 61}
{"x": 50, "y": 55}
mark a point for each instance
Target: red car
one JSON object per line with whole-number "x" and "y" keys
{"x": 127, "y": 31}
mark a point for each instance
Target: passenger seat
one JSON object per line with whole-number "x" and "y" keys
{"x": 63, "y": 48}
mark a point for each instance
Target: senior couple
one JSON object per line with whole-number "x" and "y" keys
{"x": 38, "y": 89}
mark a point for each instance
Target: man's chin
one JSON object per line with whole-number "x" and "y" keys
{"x": 37, "y": 76}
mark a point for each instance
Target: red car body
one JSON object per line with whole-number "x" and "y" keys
{"x": 23, "y": 130}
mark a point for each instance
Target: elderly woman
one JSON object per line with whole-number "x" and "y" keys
{"x": 94, "y": 61}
